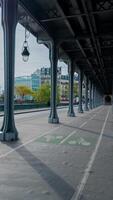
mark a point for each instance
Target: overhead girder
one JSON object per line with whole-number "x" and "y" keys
{"x": 78, "y": 43}
{"x": 87, "y": 48}
{"x": 95, "y": 41}
{"x": 76, "y": 35}
{"x": 98, "y": 12}
{"x": 29, "y": 8}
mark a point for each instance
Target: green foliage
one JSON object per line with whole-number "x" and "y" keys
{"x": 58, "y": 94}
{"x": 42, "y": 95}
{"x": 23, "y": 90}
{"x": 2, "y": 97}
{"x": 75, "y": 89}
{"x": 67, "y": 91}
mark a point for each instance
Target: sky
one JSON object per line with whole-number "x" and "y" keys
{"x": 39, "y": 55}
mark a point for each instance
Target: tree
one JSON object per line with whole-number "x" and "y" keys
{"x": 23, "y": 90}
{"x": 58, "y": 94}
{"x": 2, "y": 98}
{"x": 66, "y": 91}
{"x": 42, "y": 95}
{"x": 75, "y": 89}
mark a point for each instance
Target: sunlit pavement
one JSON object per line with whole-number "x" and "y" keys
{"x": 69, "y": 161}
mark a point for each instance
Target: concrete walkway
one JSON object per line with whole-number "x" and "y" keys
{"x": 69, "y": 161}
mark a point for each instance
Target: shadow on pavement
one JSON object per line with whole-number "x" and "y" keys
{"x": 57, "y": 183}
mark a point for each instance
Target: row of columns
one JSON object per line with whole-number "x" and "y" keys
{"x": 8, "y": 131}
{"x": 88, "y": 86}
{"x": 95, "y": 96}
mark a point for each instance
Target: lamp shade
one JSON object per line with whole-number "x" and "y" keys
{"x": 25, "y": 54}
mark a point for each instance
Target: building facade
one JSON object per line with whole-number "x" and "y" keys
{"x": 32, "y": 81}
{"x": 42, "y": 76}
{"x": 45, "y": 74}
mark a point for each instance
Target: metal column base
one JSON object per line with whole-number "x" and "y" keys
{"x": 71, "y": 114}
{"x": 86, "y": 109}
{"x": 10, "y": 136}
{"x": 53, "y": 120}
{"x": 80, "y": 111}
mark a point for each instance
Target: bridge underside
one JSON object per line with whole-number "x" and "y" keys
{"x": 71, "y": 160}
{"x": 83, "y": 29}
{"x": 79, "y": 32}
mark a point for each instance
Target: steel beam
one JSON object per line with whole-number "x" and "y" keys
{"x": 94, "y": 39}
{"x": 80, "y": 109}
{"x": 71, "y": 83}
{"x": 52, "y": 19}
{"x": 9, "y": 22}
{"x": 78, "y": 43}
{"x": 86, "y": 93}
{"x": 90, "y": 94}
{"x": 53, "y": 56}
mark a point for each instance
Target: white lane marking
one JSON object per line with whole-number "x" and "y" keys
{"x": 30, "y": 141}
{"x": 83, "y": 182}
{"x": 72, "y": 133}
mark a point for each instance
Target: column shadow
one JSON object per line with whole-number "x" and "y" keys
{"x": 88, "y": 131}
{"x": 57, "y": 183}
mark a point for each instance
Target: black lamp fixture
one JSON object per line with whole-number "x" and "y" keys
{"x": 25, "y": 49}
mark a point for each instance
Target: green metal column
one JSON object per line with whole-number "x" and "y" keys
{"x": 86, "y": 94}
{"x": 9, "y": 22}
{"x": 80, "y": 109}
{"x": 53, "y": 117}
{"x": 90, "y": 94}
{"x": 102, "y": 97}
{"x": 71, "y": 82}
{"x": 93, "y": 95}
{"x": 98, "y": 97}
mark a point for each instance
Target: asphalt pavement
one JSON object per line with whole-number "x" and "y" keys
{"x": 71, "y": 160}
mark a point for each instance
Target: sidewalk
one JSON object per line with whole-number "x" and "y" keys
{"x": 59, "y": 162}
{"x": 34, "y": 110}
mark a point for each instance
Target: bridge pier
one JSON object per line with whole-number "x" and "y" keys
{"x": 80, "y": 109}
{"x": 71, "y": 82}
{"x": 53, "y": 56}
{"x": 93, "y": 106}
{"x": 94, "y": 96}
{"x": 86, "y": 94}
{"x": 9, "y": 22}
{"x": 90, "y": 94}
